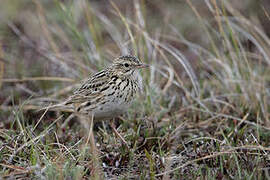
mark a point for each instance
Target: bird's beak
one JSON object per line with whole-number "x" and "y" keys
{"x": 142, "y": 66}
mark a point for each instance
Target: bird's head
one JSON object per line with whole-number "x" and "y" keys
{"x": 127, "y": 65}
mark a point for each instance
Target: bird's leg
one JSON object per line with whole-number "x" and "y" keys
{"x": 96, "y": 171}
{"x": 117, "y": 133}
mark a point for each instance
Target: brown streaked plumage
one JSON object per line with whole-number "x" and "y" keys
{"x": 108, "y": 93}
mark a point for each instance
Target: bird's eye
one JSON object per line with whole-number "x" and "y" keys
{"x": 126, "y": 64}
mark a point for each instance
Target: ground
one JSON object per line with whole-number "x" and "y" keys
{"x": 203, "y": 112}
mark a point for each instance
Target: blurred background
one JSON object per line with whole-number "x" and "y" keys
{"x": 209, "y": 78}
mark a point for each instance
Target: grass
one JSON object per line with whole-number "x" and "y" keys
{"x": 204, "y": 112}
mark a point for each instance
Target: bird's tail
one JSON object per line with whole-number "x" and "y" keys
{"x": 58, "y": 107}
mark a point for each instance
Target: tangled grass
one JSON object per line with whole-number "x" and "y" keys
{"x": 204, "y": 112}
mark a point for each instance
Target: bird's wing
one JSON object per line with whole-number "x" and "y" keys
{"x": 88, "y": 95}
{"x": 94, "y": 83}
{"x": 91, "y": 92}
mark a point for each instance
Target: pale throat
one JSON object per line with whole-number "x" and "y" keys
{"x": 137, "y": 78}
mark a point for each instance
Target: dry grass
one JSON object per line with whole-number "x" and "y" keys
{"x": 204, "y": 113}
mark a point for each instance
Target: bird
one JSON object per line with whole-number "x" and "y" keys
{"x": 109, "y": 93}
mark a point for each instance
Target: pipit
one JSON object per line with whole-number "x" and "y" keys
{"x": 108, "y": 93}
